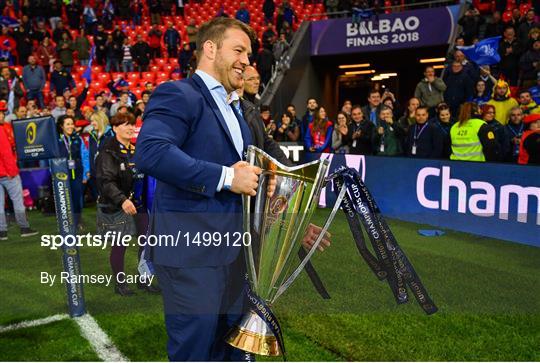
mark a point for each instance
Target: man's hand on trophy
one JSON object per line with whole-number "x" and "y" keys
{"x": 311, "y": 236}
{"x": 246, "y": 178}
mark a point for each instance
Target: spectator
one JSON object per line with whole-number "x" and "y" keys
{"x": 515, "y": 21}
{"x": 61, "y": 79}
{"x": 489, "y": 80}
{"x": 127, "y": 58}
{"x": 185, "y": 57}
{"x": 510, "y": 52}
{"x": 471, "y": 138}
{"x": 450, "y": 56}
{"x": 136, "y": 11}
{"x": 529, "y": 64}
{"x": 100, "y": 105}
{"x": 82, "y": 46}
{"x": 387, "y": 137}
{"x": 41, "y": 32}
{"x": 526, "y": 26}
{"x": 192, "y": 31}
{"x": 526, "y": 103}
{"x": 242, "y": 13}
{"x": 424, "y": 140}
{"x": 470, "y": 23}
{"x": 280, "y": 47}
{"x": 8, "y": 47}
{"x": 73, "y": 148}
{"x": 288, "y": 13}
{"x": 107, "y": 14}
{"x": 481, "y": 94}
{"x": 534, "y": 35}
{"x": 154, "y": 41}
{"x": 64, "y": 49}
{"x": 11, "y": 182}
{"x": 10, "y": 89}
{"x": 292, "y": 110}
{"x": 266, "y": 116}
{"x": 268, "y": 9}
{"x": 155, "y": 11}
{"x": 307, "y": 119}
{"x": 458, "y": 87}
{"x": 269, "y": 36}
{"x": 90, "y": 19}
{"x": 319, "y": 136}
{"x": 287, "y": 129}
{"x": 145, "y": 96}
{"x": 347, "y": 107}
{"x": 503, "y": 101}
{"x": 74, "y": 11}
{"x": 444, "y": 122}
{"x": 409, "y": 118}
{"x": 489, "y": 116}
{"x": 172, "y": 40}
{"x": 372, "y": 110}
{"x": 430, "y": 90}
{"x": 113, "y": 54}
{"x": 46, "y": 55}
{"x": 54, "y": 12}
{"x": 535, "y": 91}
{"x": 58, "y": 33}
{"x": 468, "y": 67}
{"x": 265, "y": 62}
{"x": 60, "y": 107}
{"x": 118, "y": 35}
{"x": 530, "y": 141}
{"x": 360, "y": 133}
{"x": 141, "y": 54}
{"x": 495, "y": 27}
{"x": 34, "y": 80}
{"x": 20, "y": 113}
{"x": 23, "y": 45}
{"x": 512, "y": 135}
{"x": 340, "y": 133}
{"x": 123, "y": 100}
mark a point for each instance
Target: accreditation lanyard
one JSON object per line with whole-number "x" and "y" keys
{"x": 417, "y": 136}
{"x": 71, "y": 162}
{"x": 516, "y": 134}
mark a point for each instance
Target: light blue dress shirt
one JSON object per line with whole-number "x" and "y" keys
{"x": 223, "y": 101}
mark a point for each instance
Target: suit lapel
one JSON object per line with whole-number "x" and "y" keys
{"x": 206, "y": 93}
{"x": 244, "y": 128}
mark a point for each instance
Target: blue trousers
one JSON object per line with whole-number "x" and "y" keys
{"x": 201, "y": 305}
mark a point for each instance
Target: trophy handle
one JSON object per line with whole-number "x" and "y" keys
{"x": 329, "y": 220}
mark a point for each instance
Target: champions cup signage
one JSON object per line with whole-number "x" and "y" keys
{"x": 408, "y": 29}
{"x": 37, "y": 138}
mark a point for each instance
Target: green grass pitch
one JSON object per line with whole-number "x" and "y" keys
{"x": 487, "y": 291}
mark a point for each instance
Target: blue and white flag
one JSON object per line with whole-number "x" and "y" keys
{"x": 485, "y": 52}
{"x": 9, "y": 22}
{"x": 87, "y": 74}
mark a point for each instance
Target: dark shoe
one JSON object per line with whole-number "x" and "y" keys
{"x": 28, "y": 232}
{"x": 3, "y": 235}
{"x": 123, "y": 289}
{"x": 151, "y": 289}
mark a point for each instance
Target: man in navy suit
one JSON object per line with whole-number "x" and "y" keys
{"x": 193, "y": 141}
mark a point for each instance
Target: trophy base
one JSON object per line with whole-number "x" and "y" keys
{"x": 253, "y": 336}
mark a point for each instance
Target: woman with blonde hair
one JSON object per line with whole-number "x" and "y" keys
{"x": 471, "y": 138}
{"x": 100, "y": 133}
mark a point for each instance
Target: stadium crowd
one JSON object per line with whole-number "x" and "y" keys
{"x": 93, "y": 67}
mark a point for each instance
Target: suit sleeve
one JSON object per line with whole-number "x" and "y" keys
{"x": 159, "y": 145}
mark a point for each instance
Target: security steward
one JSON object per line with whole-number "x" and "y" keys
{"x": 472, "y": 139}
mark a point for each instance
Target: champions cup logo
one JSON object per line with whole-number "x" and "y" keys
{"x": 486, "y": 51}
{"x": 61, "y": 176}
{"x": 31, "y": 133}
{"x": 71, "y": 251}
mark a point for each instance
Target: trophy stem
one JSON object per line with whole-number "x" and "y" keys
{"x": 253, "y": 335}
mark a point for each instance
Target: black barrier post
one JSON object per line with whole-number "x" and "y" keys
{"x": 37, "y": 139}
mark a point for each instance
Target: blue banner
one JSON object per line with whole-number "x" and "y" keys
{"x": 36, "y": 138}
{"x": 463, "y": 196}
{"x": 66, "y": 227}
{"x": 485, "y": 52}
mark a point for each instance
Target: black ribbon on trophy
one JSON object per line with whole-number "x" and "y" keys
{"x": 389, "y": 262}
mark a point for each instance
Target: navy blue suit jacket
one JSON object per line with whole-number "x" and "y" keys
{"x": 183, "y": 143}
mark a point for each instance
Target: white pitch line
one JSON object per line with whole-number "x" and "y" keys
{"x": 32, "y": 323}
{"x": 99, "y": 340}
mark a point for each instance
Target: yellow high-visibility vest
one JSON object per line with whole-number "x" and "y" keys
{"x": 466, "y": 144}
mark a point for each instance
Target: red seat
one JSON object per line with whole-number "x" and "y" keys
{"x": 18, "y": 69}
{"x": 148, "y": 76}
{"x": 167, "y": 68}
{"x": 160, "y": 61}
{"x": 116, "y": 75}
{"x": 133, "y": 76}
{"x": 507, "y": 16}
{"x": 104, "y": 77}
{"x": 155, "y": 68}
{"x": 173, "y": 62}
{"x": 78, "y": 69}
{"x": 97, "y": 68}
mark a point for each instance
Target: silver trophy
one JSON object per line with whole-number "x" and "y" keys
{"x": 277, "y": 222}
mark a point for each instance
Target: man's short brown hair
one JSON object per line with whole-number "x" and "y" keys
{"x": 123, "y": 118}
{"x": 214, "y": 30}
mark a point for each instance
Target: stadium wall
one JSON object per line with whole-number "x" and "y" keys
{"x": 492, "y": 200}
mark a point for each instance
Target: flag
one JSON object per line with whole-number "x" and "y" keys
{"x": 485, "y": 52}
{"x": 87, "y": 74}
{"x": 9, "y": 22}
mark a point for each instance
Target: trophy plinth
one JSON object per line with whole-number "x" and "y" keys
{"x": 252, "y": 335}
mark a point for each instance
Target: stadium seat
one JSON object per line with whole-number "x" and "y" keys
{"x": 133, "y": 76}
{"x": 155, "y": 68}
{"x": 148, "y": 76}
{"x": 18, "y": 69}
{"x": 97, "y": 68}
